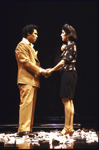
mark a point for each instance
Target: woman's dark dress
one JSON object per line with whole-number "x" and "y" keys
{"x": 69, "y": 73}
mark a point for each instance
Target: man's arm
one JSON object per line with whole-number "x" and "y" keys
{"x": 23, "y": 57}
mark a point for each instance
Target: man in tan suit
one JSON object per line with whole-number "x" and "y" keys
{"x": 29, "y": 71}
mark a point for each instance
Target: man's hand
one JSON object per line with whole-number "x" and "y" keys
{"x": 44, "y": 72}
{"x": 49, "y": 71}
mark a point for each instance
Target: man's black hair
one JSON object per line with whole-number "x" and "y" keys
{"x": 28, "y": 29}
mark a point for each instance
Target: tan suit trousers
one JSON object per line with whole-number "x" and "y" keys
{"x": 28, "y": 95}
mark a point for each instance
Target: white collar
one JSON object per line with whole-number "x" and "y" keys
{"x": 27, "y": 42}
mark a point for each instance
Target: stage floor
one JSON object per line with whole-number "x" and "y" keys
{"x": 47, "y": 136}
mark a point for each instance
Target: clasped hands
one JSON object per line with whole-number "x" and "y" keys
{"x": 47, "y": 72}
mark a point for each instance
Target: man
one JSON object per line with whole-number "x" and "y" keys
{"x": 29, "y": 71}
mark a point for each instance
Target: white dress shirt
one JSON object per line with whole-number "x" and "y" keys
{"x": 27, "y": 42}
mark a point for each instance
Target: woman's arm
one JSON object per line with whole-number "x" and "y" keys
{"x": 58, "y": 66}
{"x": 59, "y": 69}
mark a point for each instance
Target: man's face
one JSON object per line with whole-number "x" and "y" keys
{"x": 32, "y": 37}
{"x": 63, "y": 35}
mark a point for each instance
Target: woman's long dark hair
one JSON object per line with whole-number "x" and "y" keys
{"x": 70, "y": 32}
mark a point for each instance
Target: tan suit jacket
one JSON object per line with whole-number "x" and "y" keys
{"x": 28, "y": 65}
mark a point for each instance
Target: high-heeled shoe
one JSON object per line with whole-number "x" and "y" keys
{"x": 71, "y": 131}
{"x": 64, "y": 131}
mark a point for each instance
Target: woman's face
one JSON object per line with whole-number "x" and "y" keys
{"x": 63, "y": 36}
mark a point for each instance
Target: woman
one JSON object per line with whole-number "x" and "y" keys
{"x": 69, "y": 75}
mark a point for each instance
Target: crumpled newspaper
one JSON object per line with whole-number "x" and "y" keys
{"x": 52, "y": 138}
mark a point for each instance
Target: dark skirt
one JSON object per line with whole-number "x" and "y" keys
{"x": 68, "y": 84}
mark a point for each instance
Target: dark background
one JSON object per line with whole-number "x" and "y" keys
{"x": 50, "y": 16}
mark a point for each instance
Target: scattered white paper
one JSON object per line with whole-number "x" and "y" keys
{"x": 54, "y": 138}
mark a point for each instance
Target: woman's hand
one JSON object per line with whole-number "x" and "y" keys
{"x": 63, "y": 47}
{"x": 49, "y": 72}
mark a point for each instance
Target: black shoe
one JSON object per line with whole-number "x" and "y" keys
{"x": 31, "y": 134}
